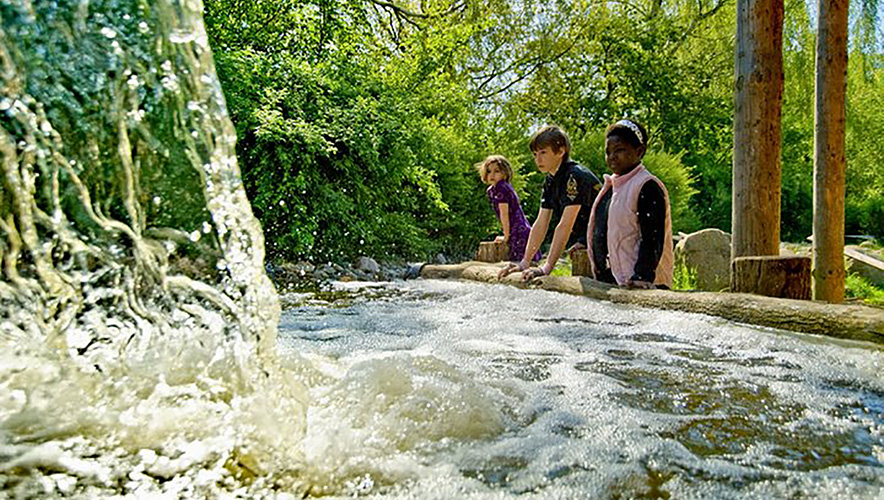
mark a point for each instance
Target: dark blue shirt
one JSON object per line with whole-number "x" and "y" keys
{"x": 572, "y": 184}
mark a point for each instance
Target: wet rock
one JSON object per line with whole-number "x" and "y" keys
{"x": 363, "y": 275}
{"x": 325, "y": 272}
{"x": 367, "y": 264}
{"x": 304, "y": 267}
{"x": 288, "y": 276}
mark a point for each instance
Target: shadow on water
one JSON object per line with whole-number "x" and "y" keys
{"x": 327, "y": 295}
{"x": 530, "y": 368}
{"x": 731, "y": 419}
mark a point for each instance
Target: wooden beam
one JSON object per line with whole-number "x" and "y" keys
{"x": 828, "y": 158}
{"x": 758, "y": 78}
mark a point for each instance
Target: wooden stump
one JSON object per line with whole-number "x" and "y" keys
{"x": 580, "y": 262}
{"x": 772, "y": 275}
{"x": 490, "y": 251}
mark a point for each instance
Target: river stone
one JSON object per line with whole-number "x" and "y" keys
{"x": 707, "y": 253}
{"x": 367, "y": 264}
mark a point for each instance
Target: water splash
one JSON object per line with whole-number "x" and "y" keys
{"x": 133, "y": 297}
{"x": 107, "y": 173}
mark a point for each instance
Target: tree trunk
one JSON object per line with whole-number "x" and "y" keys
{"x": 772, "y": 276}
{"x": 757, "y": 114}
{"x": 828, "y": 158}
{"x": 490, "y": 251}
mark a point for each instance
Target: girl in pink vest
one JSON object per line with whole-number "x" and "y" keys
{"x": 630, "y": 230}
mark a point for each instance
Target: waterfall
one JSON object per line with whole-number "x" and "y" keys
{"x": 138, "y": 325}
{"x": 121, "y": 190}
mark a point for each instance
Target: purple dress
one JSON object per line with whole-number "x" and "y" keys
{"x": 503, "y": 192}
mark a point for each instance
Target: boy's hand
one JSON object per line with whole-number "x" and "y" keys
{"x": 530, "y": 274}
{"x": 501, "y": 239}
{"x": 639, "y": 285}
{"x": 544, "y": 270}
{"x": 511, "y": 267}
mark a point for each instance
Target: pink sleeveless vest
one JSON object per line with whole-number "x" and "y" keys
{"x": 624, "y": 233}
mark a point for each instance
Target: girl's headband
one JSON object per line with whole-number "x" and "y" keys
{"x": 635, "y": 130}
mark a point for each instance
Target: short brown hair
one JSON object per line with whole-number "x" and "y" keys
{"x": 501, "y": 161}
{"x": 551, "y": 136}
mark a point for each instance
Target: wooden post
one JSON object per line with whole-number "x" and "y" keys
{"x": 828, "y": 158}
{"x": 580, "y": 262}
{"x": 787, "y": 277}
{"x": 758, "y": 98}
{"x": 491, "y": 251}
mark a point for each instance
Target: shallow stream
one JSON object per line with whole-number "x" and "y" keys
{"x": 436, "y": 389}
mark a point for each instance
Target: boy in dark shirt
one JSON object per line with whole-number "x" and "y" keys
{"x": 569, "y": 191}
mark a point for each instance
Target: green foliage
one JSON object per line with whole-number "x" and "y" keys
{"x": 342, "y": 154}
{"x": 684, "y": 277}
{"x": 359, "y": 120}
{"x": 860, "y": 288}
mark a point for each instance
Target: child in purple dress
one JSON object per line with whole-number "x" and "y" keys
{"x": 497, "y": 172}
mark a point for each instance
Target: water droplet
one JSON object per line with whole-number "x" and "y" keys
{"x": 179, "y": 36}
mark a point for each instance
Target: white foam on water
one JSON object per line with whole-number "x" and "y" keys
{"x": 572, "y": 397}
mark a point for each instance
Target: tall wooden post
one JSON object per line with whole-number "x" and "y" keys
{"x": 757, "y": 115}
{"x": 828, "y": 158}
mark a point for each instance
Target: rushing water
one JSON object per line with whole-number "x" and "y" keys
{"x": 139, "y": 355}
{"x": 133, "y": 297}
{"x": 458, "y": 390}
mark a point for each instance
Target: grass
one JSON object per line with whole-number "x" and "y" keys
{"x": 563, "y": 268}
{"x": 683, "y": 277}
{"x": 857, "y": 287}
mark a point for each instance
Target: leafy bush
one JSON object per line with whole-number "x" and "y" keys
{"x": 860, "y": 288}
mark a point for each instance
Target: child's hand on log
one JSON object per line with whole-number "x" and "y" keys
{"x": 639, "y": 285}
{"x": 511, "y": 267}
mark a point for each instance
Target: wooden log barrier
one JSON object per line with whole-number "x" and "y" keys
{"x": 852, "y": 322}
{"x": 784, "y": 276}
{"x": 492, "y": 251}
{"x": 580, "y": 262}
